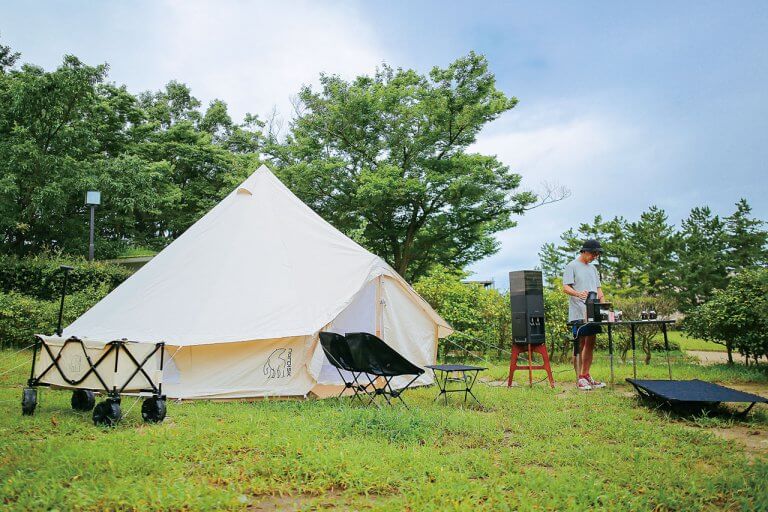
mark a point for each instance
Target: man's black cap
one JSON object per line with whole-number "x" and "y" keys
{"x": 591, "y": 246}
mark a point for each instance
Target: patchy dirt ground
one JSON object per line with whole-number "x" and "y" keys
{"x": 754, "y": 440}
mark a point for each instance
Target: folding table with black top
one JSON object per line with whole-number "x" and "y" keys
{"x": 632, "y": 324}
{"x": 468, "y": 378}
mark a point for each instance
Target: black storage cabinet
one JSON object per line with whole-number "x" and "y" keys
{"x": 526, "y": 295}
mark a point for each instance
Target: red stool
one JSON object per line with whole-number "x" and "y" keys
{"x": 517, "y": 348}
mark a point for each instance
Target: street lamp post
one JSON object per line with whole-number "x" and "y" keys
{"x": 92, "y": 199}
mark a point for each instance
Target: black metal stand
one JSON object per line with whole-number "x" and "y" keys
{"x": 610, "y": 351}
{"x": 387, "y": 391}
{"x": 357, "y": 388}
{"x": 66, "y": 270}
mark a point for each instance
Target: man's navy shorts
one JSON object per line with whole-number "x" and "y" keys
{"x": 582, "y": 329}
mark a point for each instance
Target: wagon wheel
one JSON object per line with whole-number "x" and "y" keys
{"x": 153, "y": 409}
{"x": 107, "y": 413}
{"x": 28, "y": 401}
{"x": 83, "y": 400}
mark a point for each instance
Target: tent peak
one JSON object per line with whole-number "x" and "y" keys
{"x": 251, "y": 182}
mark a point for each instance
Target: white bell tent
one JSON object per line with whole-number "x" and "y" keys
{"x": 240, "y": 297}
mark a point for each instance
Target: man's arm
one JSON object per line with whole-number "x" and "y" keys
{"x": 569, "y": 290}
{"x": 600, "y": 295}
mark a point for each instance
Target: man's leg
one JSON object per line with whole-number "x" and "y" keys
{"x": 577, "y": 348}
{"x": 587, "y": 349}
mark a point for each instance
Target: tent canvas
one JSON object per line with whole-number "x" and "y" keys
{"x": 240, "y": 297}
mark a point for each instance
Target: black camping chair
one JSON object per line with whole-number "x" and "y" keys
{"x": 337, "y": 351}
{"x": 374, "y": 357}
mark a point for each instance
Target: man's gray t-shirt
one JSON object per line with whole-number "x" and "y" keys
{"x": 582, "y": 277}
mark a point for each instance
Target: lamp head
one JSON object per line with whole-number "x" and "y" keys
{"x": 93, "y": 198}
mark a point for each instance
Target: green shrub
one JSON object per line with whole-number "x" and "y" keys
{"x": 736, "y": 316}
{"x": 41, "y": 278}
{"x": 559, "y": 335}
{"x": 22, "y": 316}
{"x": 480, "y": 316}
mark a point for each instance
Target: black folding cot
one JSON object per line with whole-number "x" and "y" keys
{"x": 693, "y": 393}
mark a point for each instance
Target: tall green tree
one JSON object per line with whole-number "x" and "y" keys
{"x": 746, "y": 239}
{"x": 57, "y": 129}
{"x": 552, "y": 261}
{"x": 160, "y": 160}
{"x": 651, "y": 249}
{"x": 202, "y": 154}
{"x": 614, "y": 266}
{"x": 702, "y": 262}
{"x": 385, "y": 156}
{"x": 8, "y": 58}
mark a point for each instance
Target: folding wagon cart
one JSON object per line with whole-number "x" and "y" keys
{"x": 88, "y": 367}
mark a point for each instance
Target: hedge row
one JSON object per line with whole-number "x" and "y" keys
{"x": 41, "y": 277}
{"x": 22, "y": 316}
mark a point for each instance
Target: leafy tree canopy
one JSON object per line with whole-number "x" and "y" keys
{"x": 736, "y": 316}
{"x": 385, "y": 157}
{"x": 159, "y": 160}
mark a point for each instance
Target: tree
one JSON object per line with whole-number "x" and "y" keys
{"x": 56, "y": 129}
{"x": 196, "y": 153}
{"x": 746, "y": 239}
{"x": 386, "y": 155}
{"x": 651, "y": 248}
{"x": 8, "y": 58}
{"x": 159, "y": 161}
{"x": 614, "y": 265}
{"x": 552, "y": 260}
{"x": 702, "y": 251}
{"x": 737, "y": 316}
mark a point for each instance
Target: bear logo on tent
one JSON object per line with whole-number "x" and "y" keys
{"x": 278, "y": 364}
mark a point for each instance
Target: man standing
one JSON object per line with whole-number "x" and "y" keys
{"x": 579, "y": 278}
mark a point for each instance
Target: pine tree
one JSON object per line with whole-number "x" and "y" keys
{"x": 652, "y": 248}
{"x": 552, "y": 260}
{"x": 702, "y": 257}
{"x": 746, "y": 238}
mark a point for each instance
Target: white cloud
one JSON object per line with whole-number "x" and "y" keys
{"x": 579, "y": 153}
{"x": 257, "y": 55}
{"x": 555, "y": 150}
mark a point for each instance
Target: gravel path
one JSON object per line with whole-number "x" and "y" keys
{"x": 711, "y": 357}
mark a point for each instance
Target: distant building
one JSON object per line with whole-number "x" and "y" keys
{"x": 485, "y": 284}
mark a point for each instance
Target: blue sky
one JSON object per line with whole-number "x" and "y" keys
{"x": 626, "y": 104}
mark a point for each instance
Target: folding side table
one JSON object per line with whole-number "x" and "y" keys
{"x": 467, "y": 379}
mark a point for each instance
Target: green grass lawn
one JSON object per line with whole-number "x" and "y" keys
{"x": 528, "y": 449}
{"x": 137, "y": 252}
{"x": 688, "y": 343}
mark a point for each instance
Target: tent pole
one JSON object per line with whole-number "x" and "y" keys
{"x": 378, "y": 307}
